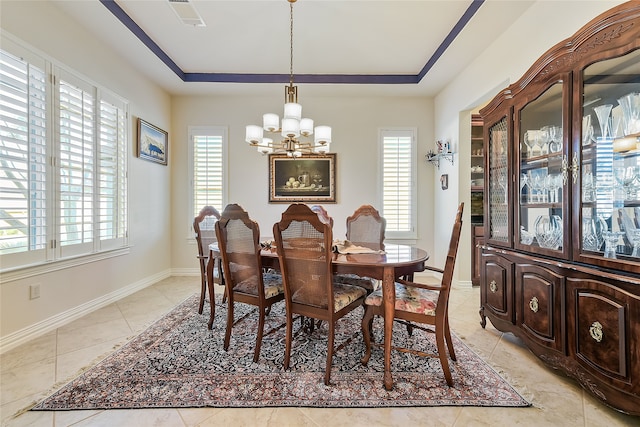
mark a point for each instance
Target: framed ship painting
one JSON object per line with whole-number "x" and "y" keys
{"x": 153, "y": 142}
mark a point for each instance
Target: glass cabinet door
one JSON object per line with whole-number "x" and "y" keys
{"x": 498, "y": 188}
{"x": 542, "y": 173}
{"x": 610, "y": 159}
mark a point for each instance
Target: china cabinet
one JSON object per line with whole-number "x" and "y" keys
{"x": 560, "y": 263}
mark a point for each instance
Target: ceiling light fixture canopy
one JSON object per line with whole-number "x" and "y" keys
{"x": 293, "y": 126}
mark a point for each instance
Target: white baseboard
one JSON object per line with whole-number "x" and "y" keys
{"x": 40, "y": 328}
{"x": 185, "y": 272}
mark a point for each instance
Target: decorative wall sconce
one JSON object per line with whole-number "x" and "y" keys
{"x": 443, "y": 152}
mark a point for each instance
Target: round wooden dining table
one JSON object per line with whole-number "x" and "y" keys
{"x": 396, "y": 261}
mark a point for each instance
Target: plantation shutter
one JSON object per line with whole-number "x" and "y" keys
{"x": 398, "y": 194}
{"x": 208, "y": 168}
{"x": 23, "y": 159}
{"x": 76, "y": 166}
{"x": 112, "y": 173}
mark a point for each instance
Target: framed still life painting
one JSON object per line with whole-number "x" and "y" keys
{"x": 310, "y": 178}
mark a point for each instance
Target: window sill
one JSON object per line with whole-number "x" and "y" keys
{"x": 24, "y": 272}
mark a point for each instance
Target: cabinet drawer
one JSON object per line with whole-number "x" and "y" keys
{"x": 497, "y": 290}
{"x": 604, "y": 334}
{"x": 539, "y": 303}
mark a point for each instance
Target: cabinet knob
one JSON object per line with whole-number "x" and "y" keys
{"x": 533, "y": 304}
{"x": 493, "y": 286}
{"x": 596, "y": 331}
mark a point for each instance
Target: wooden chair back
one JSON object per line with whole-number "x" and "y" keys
{"x": 204, "y": 227}
{"x": 304, "y": 243}
{"x": 239, "y": 244}
{"x": 323, "y": 214}
{"x": 366, "y": 226}
{"x": 450, "y": 263}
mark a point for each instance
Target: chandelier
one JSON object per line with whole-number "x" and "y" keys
{"x": 293, "y": 127}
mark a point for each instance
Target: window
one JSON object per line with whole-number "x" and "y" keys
{"x": 398, "y": 148}
{"x": 63, "y": 150}
{"x": 207, "y": 164}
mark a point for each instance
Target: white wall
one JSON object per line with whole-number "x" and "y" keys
{"x": 544, "y": 24}
{"x": 72, "y": 291}
{"x": 355, "y": 123}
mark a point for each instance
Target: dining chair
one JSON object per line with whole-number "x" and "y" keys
{"x": 245, "y": 280}
{"x": 303, "y": 243}
{"x": 203, "y": 226}
{"x": 421, "y": 304}
{"x": 365, "y": 227}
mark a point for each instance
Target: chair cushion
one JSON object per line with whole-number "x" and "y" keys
{"x": 353, "y": 279}
{"x": 343, "y": 295}
{"x": 413, "y": 300}
{"x": 272, "y": 285}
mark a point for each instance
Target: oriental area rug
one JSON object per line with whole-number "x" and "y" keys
{"x": 177, "y": 362}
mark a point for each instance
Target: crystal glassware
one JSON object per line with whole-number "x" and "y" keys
{"x": 635, "y": 235}
{"x": 526, "y": 237}
{"x": 603, "y": 112}
{"x": 548, "y": 231}
{"x": 588, "y": 188}
{"x": 587, "y": 130}
{"x": 555, "y": 138}
{"x": 626, "y": 176}
{"x": 530, "y": 141}
{"x": 611, "y": 243}
{"x": 592, "y": 229}
{"x": 630, "y": 104}
{"x": 524, "y": 183}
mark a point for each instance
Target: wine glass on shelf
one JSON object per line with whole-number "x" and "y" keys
{"x": 626, "y": 176}
{"x": 611, "y": 243}
{"x": 529, "y": 141}
{"x": 603, "y": 112}
{"x": 535, "y": 184}
{"x": 587, "y": 130}
{"x": 553, "y": 183}
{"x": 525, "y": 196}
{"x": 545, "y": 139}
{"x": 555, "y": 139}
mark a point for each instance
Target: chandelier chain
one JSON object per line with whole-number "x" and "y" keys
{"x": 291, "y": 43}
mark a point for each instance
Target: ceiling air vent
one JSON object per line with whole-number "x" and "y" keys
{"x": 187, "y": 13}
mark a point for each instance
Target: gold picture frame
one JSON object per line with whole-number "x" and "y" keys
{"x": 310, "y": 178}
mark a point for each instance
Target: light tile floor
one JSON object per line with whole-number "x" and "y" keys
{"x": 30, "y": 372}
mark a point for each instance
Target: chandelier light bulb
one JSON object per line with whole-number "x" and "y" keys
{"x": 292, "y": 110}
{"x": 323, "y": 135}
{"x": 271, "y": 122}
{"x": 290, "y": 128}
{"x": 266, "y": 146}
{"x": 253, "y": 134}
{"x": 306, "y": 127}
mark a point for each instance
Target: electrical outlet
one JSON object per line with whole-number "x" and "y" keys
{"x": 34, "y": 291}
